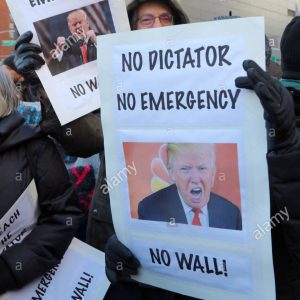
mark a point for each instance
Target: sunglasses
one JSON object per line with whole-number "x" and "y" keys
{"x": 147, "y": 21}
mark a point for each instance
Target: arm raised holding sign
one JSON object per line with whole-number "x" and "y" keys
{"x": 278, "y": 105}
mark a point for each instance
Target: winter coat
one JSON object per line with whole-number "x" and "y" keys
{"x": 100, "y": 225}
{"x": 59, "y": 215}
{"x": 284, "y": 176}
{"x": 82, "y": 137}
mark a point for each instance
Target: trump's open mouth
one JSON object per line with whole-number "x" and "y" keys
{"x": 196, "y": 193}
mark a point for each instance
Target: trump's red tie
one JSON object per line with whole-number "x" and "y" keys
{"x": 84, "y": 53}
{"x": 196, "y": 219}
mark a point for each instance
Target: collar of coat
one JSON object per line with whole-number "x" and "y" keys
{"x": 14, "y": 131}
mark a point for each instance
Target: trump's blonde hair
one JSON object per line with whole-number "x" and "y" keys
{"x": 74, "y": 12}
{"x": 173, "y": 148}
{"x": 9, "y": 98}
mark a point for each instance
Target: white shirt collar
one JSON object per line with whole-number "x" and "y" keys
{"x": 189, "y": 210}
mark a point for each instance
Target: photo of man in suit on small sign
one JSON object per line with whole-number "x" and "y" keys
{"x": 68, "y": 40}
{"x": 188, "y": 199}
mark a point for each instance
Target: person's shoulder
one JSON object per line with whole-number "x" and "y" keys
{"x": 220, "y": 201}
{"x": 154, "y": 206}
{"x": 164, "y": 193}
{"x": 41, "y": 144}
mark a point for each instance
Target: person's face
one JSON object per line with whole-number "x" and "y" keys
{"x": 153, "y": 15}
{"x": 193, "y": 172}
{"x": 78, "y": 24}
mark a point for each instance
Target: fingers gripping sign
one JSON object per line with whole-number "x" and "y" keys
{"x": 278, "y": 107}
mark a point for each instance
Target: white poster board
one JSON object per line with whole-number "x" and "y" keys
{"x": 20, "y": 219}
{"x": 80, "y": 275}
{"x": 175, "y": 85}
{"x": 69, "y": 80}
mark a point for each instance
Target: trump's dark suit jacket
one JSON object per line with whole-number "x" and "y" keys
{"x": 73, "y": 58}
{"x": 165, "y": 206}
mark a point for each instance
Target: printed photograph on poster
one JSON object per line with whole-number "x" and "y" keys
{"x": 185, "y": 183}
{"x": 69, "y": 40}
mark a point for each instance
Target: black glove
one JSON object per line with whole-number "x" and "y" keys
{"x": 278, "y": 106}
{"x": 120, "y": 263}
{"x": 27, "y": 58}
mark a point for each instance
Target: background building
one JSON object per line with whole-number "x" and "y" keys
{"x": 7, "y": 31}
{"x": 277, "y": 13}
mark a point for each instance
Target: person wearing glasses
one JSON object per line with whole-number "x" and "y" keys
{"x": 144, "y": 14}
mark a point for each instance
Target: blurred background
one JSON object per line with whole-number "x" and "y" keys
{"x": 277, "y": 13}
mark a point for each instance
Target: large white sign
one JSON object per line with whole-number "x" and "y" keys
{"x": 180, "y": 136}
{"x": 66, "y": 31}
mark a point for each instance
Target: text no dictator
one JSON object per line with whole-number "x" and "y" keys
{"x": 179, "y": 59}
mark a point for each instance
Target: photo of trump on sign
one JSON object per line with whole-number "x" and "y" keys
{"x": 184, "y": 189}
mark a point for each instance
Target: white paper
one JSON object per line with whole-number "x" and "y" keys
{"x": 178, "y": 98}
{"x": 71, "y": 85}
{"x": 80, "y": 275}
{"x": 20, "y": 219}
{"x": 81, "y": 272}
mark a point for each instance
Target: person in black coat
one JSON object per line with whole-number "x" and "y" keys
{"x": 30, "y": 162}
{"x": 100, "y": 227}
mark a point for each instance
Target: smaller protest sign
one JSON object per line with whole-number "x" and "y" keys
{"x": 79, "y": 276}
{"x": 66, "y": 31}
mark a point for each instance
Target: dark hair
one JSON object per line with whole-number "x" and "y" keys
{"x": 179, "y": 16}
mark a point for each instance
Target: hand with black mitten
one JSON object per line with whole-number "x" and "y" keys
{"x": 278, "y": 107}
{"x": 27, "y": 58}
{"x": 119, "y": 260}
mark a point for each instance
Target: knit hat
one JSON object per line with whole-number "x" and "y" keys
{"x": 9, "y": 61}
{"x": 290, "y": 50}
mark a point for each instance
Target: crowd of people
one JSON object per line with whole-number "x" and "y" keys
{"x": 28, "y": 152}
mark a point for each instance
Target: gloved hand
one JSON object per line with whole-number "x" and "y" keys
{"x": 120, "y": 263}
{"x": 278, "y": 108}
{"x": 27, "y": 58}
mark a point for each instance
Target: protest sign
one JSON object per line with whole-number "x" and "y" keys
{"x": 180, "y": 136}
{"x": 79, "y": 276}
{"x": 19, "y": 220}
{"x": 66, "y": 31}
